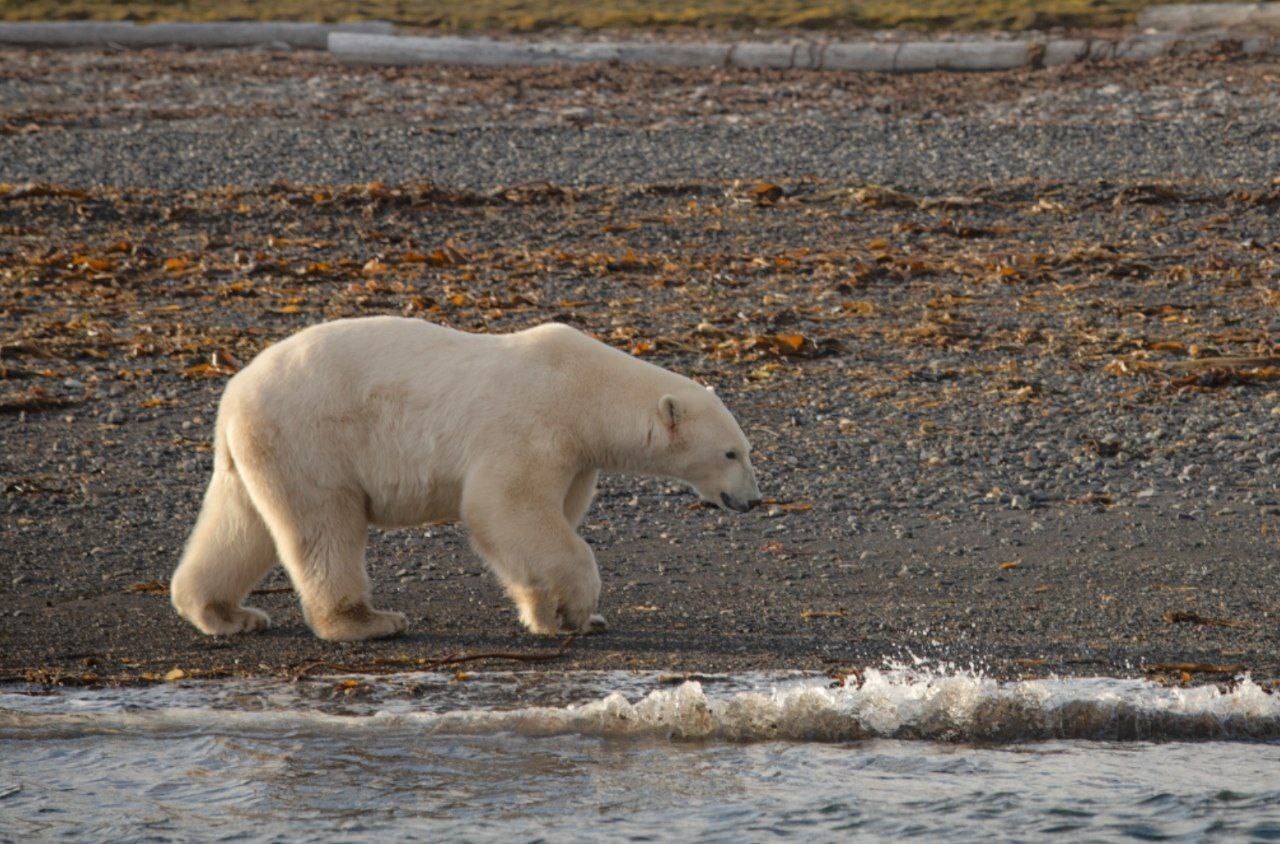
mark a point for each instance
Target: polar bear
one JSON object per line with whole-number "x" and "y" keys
{"x": 397, "y": 422}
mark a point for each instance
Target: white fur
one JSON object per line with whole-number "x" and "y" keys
{"x": 397, "y": 422}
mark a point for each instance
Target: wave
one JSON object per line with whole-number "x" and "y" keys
{"x": 898, "y": 703}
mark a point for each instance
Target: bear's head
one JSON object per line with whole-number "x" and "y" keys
{"x": 705, "y": 447}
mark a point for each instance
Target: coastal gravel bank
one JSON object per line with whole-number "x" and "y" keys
{"x": 1004, "y": 346}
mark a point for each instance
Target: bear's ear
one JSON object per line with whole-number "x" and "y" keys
{"x": 669, "y": 411}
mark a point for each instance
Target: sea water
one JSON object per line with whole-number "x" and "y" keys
{"x": 897, "y": 753}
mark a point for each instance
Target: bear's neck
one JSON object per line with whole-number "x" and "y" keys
{"x": 626, "y": 434}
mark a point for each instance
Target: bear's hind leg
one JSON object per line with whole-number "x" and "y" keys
{"x": 325, "y": 559}
{"x": 228, "y": 552}
{"x": 321, "y": 544}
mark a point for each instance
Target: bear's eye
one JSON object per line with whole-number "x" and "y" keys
{"x": 731, "y": 455}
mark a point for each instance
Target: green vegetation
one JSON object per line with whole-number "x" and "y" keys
{"x": 530, "y": 15}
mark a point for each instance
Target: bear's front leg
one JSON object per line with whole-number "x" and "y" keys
{"x": 567, "y": 607}
{"x": 558, "y": 590}
{"x": 547, "y": 569}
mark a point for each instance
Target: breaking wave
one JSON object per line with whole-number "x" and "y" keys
{"x": 897, "y": 703}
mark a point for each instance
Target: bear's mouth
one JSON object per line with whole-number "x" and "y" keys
{"x": 739, "y": 506}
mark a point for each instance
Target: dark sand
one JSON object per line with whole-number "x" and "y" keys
{"x": 962, "y": 463}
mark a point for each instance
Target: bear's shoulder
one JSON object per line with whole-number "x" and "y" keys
{"x": 555, "y": 332}
{"x": 555, "y": 341}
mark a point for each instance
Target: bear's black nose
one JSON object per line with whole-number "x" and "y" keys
{"x": 736, "y": 505}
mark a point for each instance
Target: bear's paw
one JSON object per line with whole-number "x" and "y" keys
{"x": 218, "y": 619}
{"x": 358, "y": 623}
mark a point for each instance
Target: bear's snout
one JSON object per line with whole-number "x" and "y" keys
{"x": 738, "y": 505}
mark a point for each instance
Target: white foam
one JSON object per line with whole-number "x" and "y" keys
{"x": 897, "y": 702}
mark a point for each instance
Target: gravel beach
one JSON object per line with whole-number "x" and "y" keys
{"x": 1003, "y": 344}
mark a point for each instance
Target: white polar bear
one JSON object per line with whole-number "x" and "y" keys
{"x": 397, "y": 422}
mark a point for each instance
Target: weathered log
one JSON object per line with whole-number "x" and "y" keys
{"x": 311, "y": 36}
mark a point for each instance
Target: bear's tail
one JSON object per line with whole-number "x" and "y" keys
{"x": 229, "y": 550}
